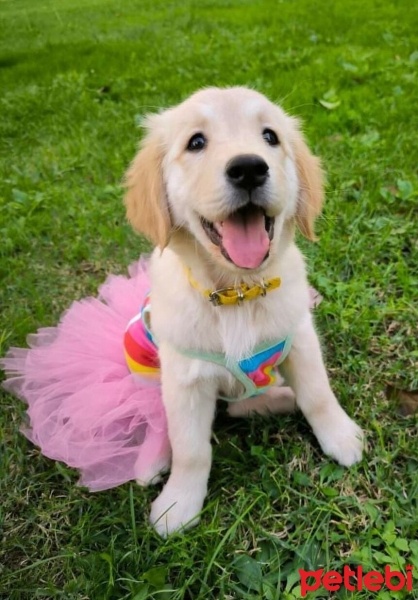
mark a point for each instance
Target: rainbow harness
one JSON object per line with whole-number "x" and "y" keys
{"x": 254, "y": 372}
{"x": 141, "y": 351}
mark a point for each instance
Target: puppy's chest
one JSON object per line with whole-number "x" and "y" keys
{"x": 235, "y": 331}
{"x": 239, "y": 346}
{"x": 190, "y": 322}
{"x": 247, "y": 352}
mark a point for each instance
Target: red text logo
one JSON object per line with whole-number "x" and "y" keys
{"x": 372, "y": 581}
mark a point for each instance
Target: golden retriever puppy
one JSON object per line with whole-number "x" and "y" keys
{"x": 219, "y": 184}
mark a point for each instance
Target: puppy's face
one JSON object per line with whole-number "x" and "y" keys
{"x": 231, "y": 168}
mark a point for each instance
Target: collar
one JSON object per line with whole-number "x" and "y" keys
{"x": 237, "y": 294}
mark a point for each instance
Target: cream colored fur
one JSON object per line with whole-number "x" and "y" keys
{"x": 169, "y": 189}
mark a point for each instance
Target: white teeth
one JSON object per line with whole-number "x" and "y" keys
{"x": 218, "y": 227}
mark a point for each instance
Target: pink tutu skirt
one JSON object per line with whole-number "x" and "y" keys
{"x": 85, "y": 408}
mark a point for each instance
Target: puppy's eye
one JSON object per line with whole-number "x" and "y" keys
{"x": 196, "y": 142}
{"x": 270, "y": 137}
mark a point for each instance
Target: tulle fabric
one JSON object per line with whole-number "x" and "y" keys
{"x": 84, "y": 406}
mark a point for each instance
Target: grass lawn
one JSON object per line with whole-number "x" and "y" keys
{"x": 75, "y": 78}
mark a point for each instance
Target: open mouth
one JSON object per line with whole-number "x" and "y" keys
{"x": 243, "y": 237}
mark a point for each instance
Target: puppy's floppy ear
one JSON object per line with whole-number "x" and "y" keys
{"x": 311, "y": 190}
{"x": 145, "y": 199}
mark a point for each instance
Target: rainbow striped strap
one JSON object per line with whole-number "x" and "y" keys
{"x": 141, "y": 351}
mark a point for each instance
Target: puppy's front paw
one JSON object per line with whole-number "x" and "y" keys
{"x": 176, "y": 510}
{"x": 340, "y": 437}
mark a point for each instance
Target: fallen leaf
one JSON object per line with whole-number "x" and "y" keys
{"x": 330, "y": 105}
{"x": 330, "y": 100}
{"x": 407, "y": 401}
{"x": 392, "y": 327}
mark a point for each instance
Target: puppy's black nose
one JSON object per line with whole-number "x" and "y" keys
{"x": 247, "y": 171}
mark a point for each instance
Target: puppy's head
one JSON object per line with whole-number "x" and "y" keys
{"x": 230, "y": 168}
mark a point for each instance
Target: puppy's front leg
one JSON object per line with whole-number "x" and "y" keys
{"x": 304, "y": 370}
{"x": 190, "y": 409}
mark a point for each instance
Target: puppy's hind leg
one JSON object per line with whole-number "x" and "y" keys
{"x": 150, "y": 467}
{"x": 276, "y": 400}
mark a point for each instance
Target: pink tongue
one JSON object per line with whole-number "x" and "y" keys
{"x": 245, "y": 238}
